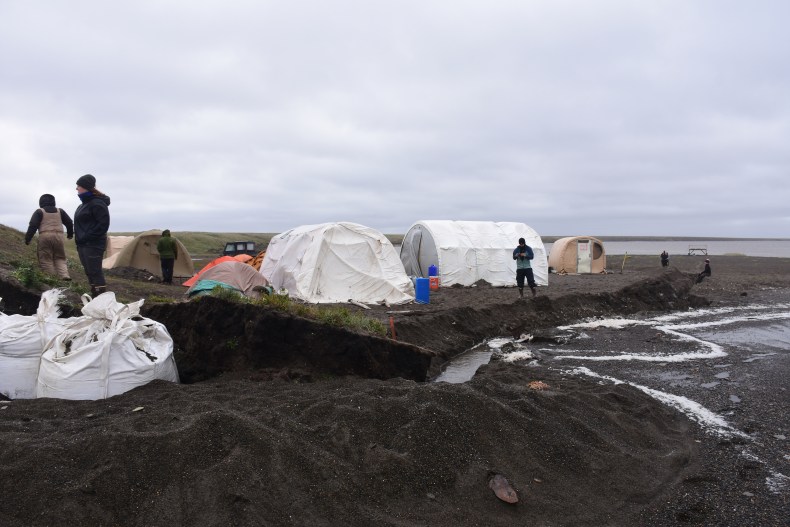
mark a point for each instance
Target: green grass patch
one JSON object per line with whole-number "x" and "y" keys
{"x": 29, "y": 275}
{"x": 331, "y": 315}
{"x": 160, "y": 299}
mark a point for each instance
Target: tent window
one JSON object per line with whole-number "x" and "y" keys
{"x": 597, "y": 251}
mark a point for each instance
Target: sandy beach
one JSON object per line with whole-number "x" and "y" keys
{"x": 268, "y": 437}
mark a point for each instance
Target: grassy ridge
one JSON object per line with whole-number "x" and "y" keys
{"x": 211, "y": 244}
{"x": 199, "y": 244}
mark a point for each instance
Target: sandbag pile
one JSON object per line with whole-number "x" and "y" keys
{"x": 107, "y": 351}
{"x": 22, "y": 341}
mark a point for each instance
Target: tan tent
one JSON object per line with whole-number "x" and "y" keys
{"x": 578, "y": 254}
{"x": 116, "y": 243}
{"x": 140, "y": 253}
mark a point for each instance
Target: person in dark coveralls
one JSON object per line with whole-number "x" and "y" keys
{"x": 49, "y": 220}
{"x": 168, "y": 254}
{"x": 523, "y": 255}
{"x": 91, "y": 223}
{"x": 705, "y": 272}
{"x": 664, "y": 259}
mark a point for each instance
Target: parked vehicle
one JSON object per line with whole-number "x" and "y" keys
{"x": 234, "y": 248}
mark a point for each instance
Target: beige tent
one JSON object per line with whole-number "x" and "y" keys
{"x": 578, "y": 254}
{"x": 116, "y": 243}
{"x": 140, "y": 253}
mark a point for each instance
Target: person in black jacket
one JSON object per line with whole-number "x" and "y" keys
{"x": 91, "y": 223}
{"x": 49, "y": 220}
{"x": 705, "y": 272}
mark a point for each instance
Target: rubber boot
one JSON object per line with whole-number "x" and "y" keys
{"x": 521, "y": 292}
{"x": 534, "y": 292}
{"x": 99, "y": 289}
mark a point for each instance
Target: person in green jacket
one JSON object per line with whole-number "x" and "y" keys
{"x": 167, "y": 247}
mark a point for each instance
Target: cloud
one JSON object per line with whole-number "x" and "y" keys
{"x": 605, "y": 118}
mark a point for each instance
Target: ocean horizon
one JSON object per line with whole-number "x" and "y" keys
{"x": 777, "y": 248}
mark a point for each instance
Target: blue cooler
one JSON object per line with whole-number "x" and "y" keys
{"x": 422, "y": 291}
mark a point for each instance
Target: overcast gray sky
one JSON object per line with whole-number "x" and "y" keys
{"x": 576, "y": 117}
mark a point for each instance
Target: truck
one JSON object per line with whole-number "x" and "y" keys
{"x": 234, "y": 248}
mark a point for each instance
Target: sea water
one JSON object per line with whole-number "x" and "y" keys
{"x": 770, "y": 248}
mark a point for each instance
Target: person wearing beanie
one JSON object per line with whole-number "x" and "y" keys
{"x": 523, "y": 254}
{"x": 91, "y": 223}
{"x": 167, "y": 247}
{"x": 49, "y": 220}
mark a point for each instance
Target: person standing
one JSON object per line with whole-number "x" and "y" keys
{"x": 91, "y": 223}
{"x": 167, "y": 247}
{"x": 49, "y": 220}
{"x": 705, "y": 272}
{"x": 523, "y": 255}
{"x": 664, "y": 259}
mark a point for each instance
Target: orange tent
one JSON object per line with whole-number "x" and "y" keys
{"x": 212, "y": 263}
{"x": 257, "y": 260}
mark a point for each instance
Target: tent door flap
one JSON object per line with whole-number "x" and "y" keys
{"x": 583, "y": 257}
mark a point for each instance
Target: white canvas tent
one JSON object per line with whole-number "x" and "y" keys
{"x": 337, "y": 263}
{"x": 578, "y": 254}
{"x": 140, "y": 253}
{"x": 467, "y": 251}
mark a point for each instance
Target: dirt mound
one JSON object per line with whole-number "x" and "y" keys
{"x": 132, "y": 273}
{"x": 343, "y": 452}
{"x": 215, "y": 336}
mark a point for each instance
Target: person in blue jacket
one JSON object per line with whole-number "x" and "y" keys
{"x": 91, "y": 223}
{"x": 523, "y": 255}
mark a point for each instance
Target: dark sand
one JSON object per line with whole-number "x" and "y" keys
{"x": 265, "y": 441}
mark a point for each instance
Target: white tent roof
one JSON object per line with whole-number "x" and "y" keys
{"x": 335, "y": 263}
{"x": 467, "y": 251}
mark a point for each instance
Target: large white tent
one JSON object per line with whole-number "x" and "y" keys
{"x": 467, "y": 251}
{"x": 337, "y": 263}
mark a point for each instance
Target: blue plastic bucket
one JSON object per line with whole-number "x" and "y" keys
{"x": 422, "y": 291}
{"x": 433, "y": 271}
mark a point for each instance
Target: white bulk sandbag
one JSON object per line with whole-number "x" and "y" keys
{"x": 22, "y": 341}
{"x": 110, "y": 351}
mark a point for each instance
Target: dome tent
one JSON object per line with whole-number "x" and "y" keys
{"x": 233, "y": 273}
{"x": 140, "y": 253}
{"x": 578, "y": 254}
{"x": 468, "y": 251}
{"x": 337, "y": 263}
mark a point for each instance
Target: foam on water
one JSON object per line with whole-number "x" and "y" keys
{"x": 705, "y": 418}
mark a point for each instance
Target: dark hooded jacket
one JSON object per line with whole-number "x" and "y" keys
{"x": 92, "y": 220}
{"x": 47, "y": 202}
